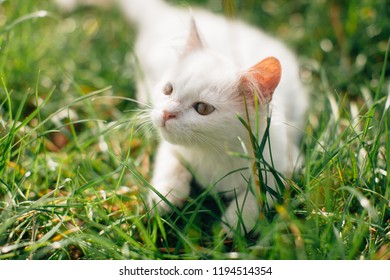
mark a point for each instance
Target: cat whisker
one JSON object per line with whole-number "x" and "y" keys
{"x": 143, "y": 122}
{"x": 204, "y": 139}
{"x": 143, "y": 104}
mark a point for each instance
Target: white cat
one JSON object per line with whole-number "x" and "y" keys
{"x": 199, "y": 70}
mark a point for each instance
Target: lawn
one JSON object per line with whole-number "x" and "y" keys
{"x": 74, "y": 165}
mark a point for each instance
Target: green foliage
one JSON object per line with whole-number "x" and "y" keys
{"x": 74, "y": 169}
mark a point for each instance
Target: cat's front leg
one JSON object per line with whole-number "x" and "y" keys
{"x": 171, "y": 179}
{"x": 241, "y": 214}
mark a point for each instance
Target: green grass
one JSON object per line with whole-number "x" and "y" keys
{"x": 74, "y": 169}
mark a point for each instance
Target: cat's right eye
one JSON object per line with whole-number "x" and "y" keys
{"x": 203, "y": 109}
{"x": 168, "y": 89}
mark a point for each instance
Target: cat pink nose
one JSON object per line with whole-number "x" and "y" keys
{"x": 168, "y": 115}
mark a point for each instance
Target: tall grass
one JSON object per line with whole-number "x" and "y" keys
{"x": 74, "y": 169}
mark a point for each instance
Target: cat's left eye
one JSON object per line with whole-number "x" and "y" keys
{"x": 168, "y": 89}
{"x": 203, "y": 108}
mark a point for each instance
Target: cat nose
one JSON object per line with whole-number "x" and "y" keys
{"x": 168, "y": 115}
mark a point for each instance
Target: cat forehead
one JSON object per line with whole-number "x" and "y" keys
{"x": 200, "y": 77}
{"x": 205, "y": 69}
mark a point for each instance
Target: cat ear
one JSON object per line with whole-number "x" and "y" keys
{"x": 262, "y": 79}
{"x": 194, "y": 42}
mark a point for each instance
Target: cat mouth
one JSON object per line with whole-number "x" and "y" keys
{"x": 169, "y": 133}
{"x": 166, "y": 127}
{"x": 169, "y": 136}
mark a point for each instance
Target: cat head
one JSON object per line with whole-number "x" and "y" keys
{"x": 197, "y": 102}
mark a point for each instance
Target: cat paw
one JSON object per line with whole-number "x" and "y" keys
{"x": 230, "y": 223}
{"x": 239, "y": 221}
{"x": 166, "y": 199}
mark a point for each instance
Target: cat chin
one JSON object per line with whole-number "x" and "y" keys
{"x": 173, "y": 139}
{"x": 169, "y": 137}
{"x": 166, "y": 132}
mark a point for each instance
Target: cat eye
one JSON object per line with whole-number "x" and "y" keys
{"x": 168, "y": 89}
{"x": 203, "y": 108}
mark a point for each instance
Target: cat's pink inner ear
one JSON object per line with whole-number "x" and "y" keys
{"x": 194, "y": 42}
{"x": 262, "y": 78}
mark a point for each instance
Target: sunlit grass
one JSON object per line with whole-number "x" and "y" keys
{"x": 75, "y": 167}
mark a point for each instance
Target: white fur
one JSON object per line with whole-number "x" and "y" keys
{"x": 211, "y": 75}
